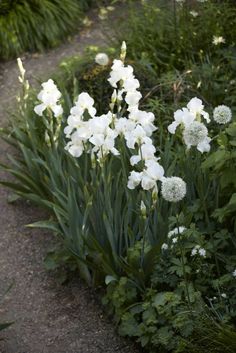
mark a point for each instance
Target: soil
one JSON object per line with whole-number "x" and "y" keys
{"x": 48, "y": 317}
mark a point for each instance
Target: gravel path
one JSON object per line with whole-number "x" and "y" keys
{"x": 49, "y": 318}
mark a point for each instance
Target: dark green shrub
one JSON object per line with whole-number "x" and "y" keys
{"x": 167, "y": 39}
{"x": 35, "y": 25}
{"x": 82, "y": 74}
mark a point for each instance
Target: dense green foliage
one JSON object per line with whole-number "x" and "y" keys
{"x": 167, "y": 37}
{"x": 168, "y": 298}
{"x": 35, "y": 25}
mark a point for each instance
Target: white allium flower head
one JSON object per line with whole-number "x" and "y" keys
{"x": 194, "y": 134}
{"x": 224, "y": 295}
{"x": 222, "y": 114}
{"x": 102, "y": 59}
{"x": 173, "y": 189}
{"x": 234, "y": 273}
{"x": 164, "y": 246}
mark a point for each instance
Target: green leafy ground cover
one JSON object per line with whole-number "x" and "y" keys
{"x": 160, "y": 289}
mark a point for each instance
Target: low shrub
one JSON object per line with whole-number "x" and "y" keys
{"x": 83, "y": 74}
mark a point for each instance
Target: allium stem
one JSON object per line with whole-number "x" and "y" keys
{"x": 203, "y": 199}
{"x": 183, "y": 265}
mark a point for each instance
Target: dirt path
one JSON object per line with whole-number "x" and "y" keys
{"x": 49, "y": 318}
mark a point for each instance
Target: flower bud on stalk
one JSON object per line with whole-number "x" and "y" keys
{"x": 21, "y": 69}
{"x": 114, "y": 96}
{"x": 154, "y": 196}
{"x": 22, "y": 98}
{"x": 143, "y": 210}
{"x": 113, "y": 100}
{"x": 93, "y": 160}
{"x": 47, "y": 139}
{"x": 123, "y": 51}
{"x": 57, "y": 130}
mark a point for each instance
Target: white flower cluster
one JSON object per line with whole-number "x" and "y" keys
{"x": 136, "y": 129}
{"x": 218, "y": 40}
{"x": 176, "y": 231}
{"x": 234, "y": 273}
{"x": 193, "y": 13}
{"x": 195, "y": 132}
{"x": 49, "y": 96}
{"x": 88, "y": 132}
{"x": 197, "y": 250}
{"x": 164, "y": 246}
{"x": 97, "y": 134}
{"x": 95, "y": 130}
{"x": 222, "y": 114}
{"x": 172, "y": 236}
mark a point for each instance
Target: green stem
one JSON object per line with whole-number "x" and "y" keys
{"x": 203, "y": 199}
{"x": 183, "y": 264}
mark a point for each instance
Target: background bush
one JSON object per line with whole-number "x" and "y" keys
{"x": 35, "y": 25}
{"x": 82, "y": 74}
{"x": 167, "y": 39}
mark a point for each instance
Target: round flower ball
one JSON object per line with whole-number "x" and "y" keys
{"x": 173, "y": 189}
{"x": 195, "y": 133}
{"x": 102, "y": 59}
{"x": 222, "y": 114}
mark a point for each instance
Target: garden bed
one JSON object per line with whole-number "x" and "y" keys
{"x": 144, "y": 204}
